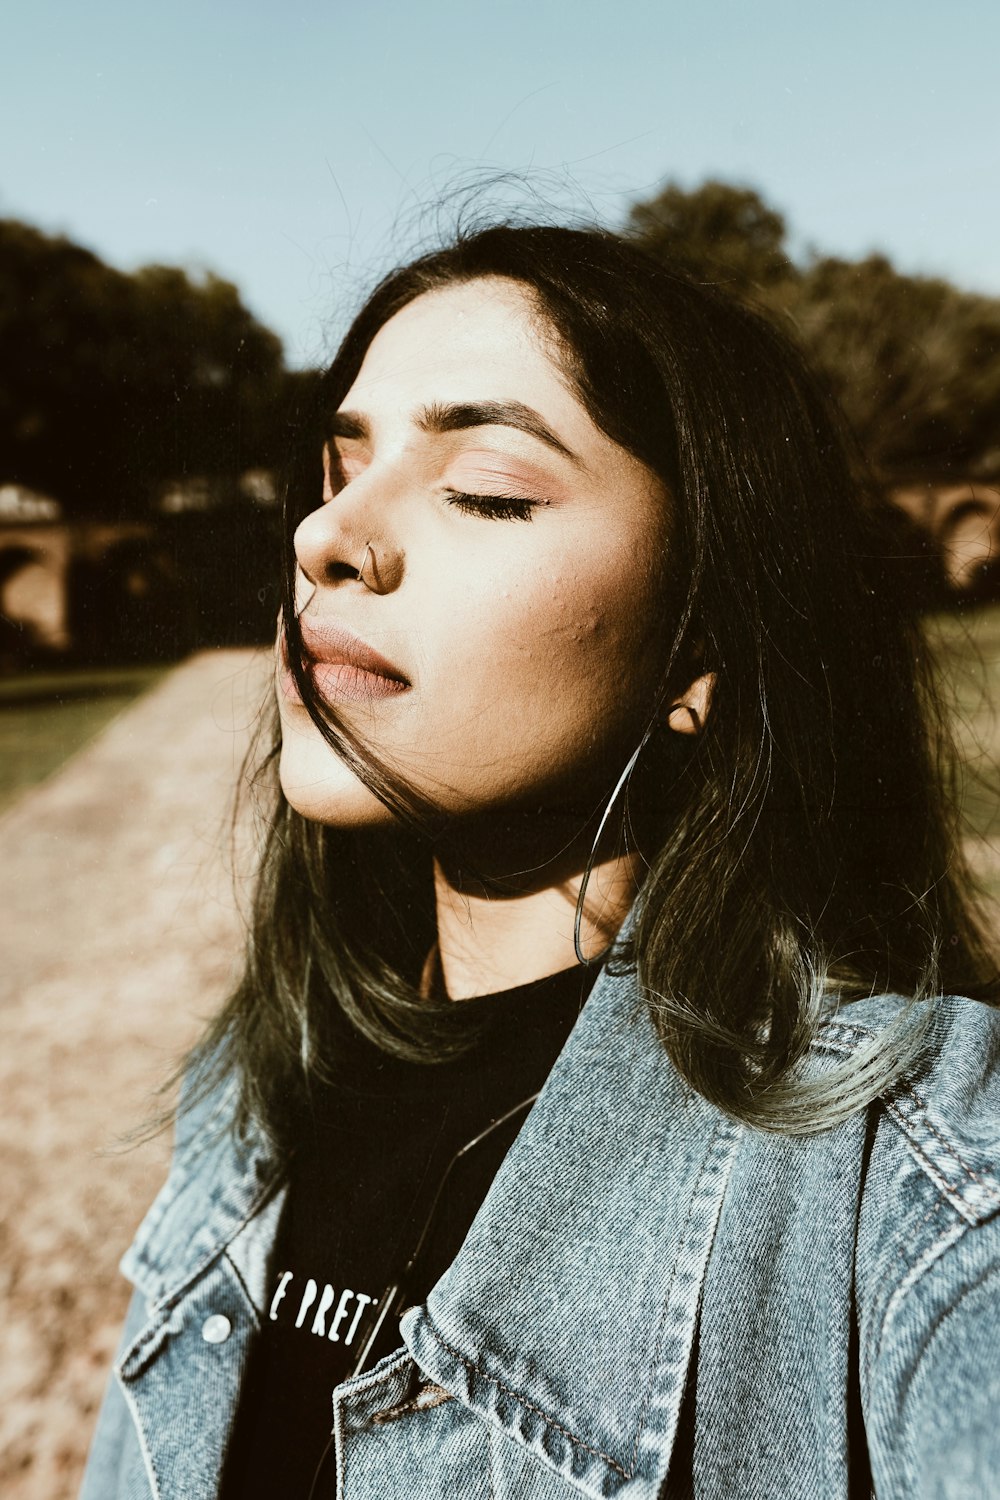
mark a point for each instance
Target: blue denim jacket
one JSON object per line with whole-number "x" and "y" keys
{"x": 634, "y": 1240}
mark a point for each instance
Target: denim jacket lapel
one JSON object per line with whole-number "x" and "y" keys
{"x": 567, "y": 1319}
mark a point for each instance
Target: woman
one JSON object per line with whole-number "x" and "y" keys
{"x": 587, "y": 672}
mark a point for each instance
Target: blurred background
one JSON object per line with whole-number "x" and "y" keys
{"x": 193, "y": 201}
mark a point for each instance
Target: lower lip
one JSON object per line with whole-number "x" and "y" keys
{"x": 343, "y": 683}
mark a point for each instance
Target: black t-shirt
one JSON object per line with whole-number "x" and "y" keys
{"x": 366, "y": 1172}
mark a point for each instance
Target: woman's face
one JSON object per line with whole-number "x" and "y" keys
{"x": 500, "y": 647}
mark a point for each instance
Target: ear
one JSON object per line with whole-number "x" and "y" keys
{"x": 688, "y": 713}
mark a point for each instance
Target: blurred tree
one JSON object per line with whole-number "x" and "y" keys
{"x": 914, "y": 361}
{"x": 114, "y": 383}
{"x": 728, "y": 232}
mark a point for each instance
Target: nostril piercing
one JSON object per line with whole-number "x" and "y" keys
{"x": 361, "y": 570}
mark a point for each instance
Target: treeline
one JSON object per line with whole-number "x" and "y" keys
{"x": 914, "y": 361}
{"x": 115, "y": 385}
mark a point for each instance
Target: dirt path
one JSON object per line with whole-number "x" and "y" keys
{"x": 120, "y": 931}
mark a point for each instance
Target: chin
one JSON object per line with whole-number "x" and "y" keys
{"x": 321, "y": 788}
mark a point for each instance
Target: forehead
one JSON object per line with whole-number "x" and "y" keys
{"x": 483, "y": 338}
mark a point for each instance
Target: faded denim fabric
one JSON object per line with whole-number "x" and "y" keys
{"x": 644, "y": 1275}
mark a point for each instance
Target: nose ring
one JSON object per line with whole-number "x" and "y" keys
{"x": 361, "y": 570}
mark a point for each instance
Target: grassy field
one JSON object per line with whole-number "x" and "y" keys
{"x": 967, "y": 648}
{"x": 45, "y": 717}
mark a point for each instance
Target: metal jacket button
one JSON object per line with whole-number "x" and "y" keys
{"x": 216, "y": 1329}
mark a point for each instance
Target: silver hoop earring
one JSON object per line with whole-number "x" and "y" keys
{"x": 589, "y": 869}
{"x": 361, "y": 570}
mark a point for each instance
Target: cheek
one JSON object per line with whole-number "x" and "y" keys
{"x": 571, "y": 650}
{"x": 600, "y": 646}
{"x": 587, "y": 622}
{"x": 577, "y": 621}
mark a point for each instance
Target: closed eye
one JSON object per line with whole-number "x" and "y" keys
{"x": 336, "y": 467}
{"x": 494, "y": 507}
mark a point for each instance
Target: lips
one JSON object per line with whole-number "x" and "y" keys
{"x": 343, "y": 666}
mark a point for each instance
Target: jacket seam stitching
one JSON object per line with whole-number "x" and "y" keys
{"x": 840, "y": 1034}
{"x": 940, "y": 1181}
{"x": 976, "y": 1178}
{"x": 547, "y": 1418}
{"x": 140, "y": 1433}
{"x": 937, "y": 1177}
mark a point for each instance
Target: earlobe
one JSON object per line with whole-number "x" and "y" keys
{"x": 687, "y": 714}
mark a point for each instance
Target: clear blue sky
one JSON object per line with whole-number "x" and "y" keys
{"x": 295, "y": 147}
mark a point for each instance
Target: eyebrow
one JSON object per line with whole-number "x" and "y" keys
{"x": 460, "y": 416}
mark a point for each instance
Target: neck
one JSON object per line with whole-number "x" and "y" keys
{"x": 498, "y": 934}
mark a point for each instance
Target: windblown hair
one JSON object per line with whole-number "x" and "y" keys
{"x": 810, "y": 855}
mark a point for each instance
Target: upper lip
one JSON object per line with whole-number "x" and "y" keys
{"x": 330, "y": 643}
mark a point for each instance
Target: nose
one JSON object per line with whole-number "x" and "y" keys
{"x": 347, "y": 539}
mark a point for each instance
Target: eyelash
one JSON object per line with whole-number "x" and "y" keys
{"x": 494, "y": 507}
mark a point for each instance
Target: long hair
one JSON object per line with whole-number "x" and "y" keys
{"x": 809, "y": 854}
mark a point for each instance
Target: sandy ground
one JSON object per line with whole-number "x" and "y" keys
{"x": 121, "y": 930}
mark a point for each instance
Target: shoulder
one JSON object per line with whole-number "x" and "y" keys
{"x": 928, "y": 1234}
{"x": 928, "y": 1249}
{"x": 945, "y": 1104}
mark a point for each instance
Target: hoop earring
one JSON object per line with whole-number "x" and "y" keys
{"x": 592, "y": 860}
